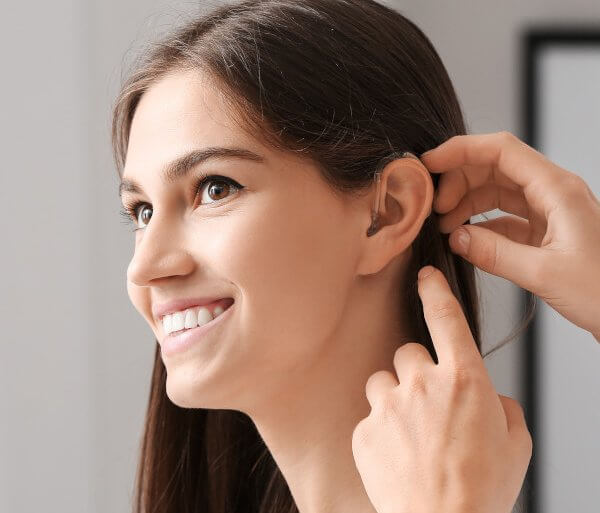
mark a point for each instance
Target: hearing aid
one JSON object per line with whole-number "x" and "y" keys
{"x": 377, "y": 206}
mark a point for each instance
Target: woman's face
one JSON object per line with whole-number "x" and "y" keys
{"x": 283, "y": 246}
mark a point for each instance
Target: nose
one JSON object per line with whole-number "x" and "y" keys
{"x": 160, "y": 253}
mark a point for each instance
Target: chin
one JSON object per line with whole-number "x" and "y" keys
{"x": 186, "y": 394}
{"x": 183, "y": 396}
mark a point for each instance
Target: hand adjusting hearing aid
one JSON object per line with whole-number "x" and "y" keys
{"x": 377, "y": 204}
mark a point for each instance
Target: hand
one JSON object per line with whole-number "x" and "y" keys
{"x": 551, "y": 246}
{"x": 439, "y": 437}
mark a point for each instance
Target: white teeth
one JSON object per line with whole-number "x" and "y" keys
{"x": 167, "y": 324}
{"x": 177, "y": 322}
{"x": 191, "y": 319}
{"x": 204, "y": 316}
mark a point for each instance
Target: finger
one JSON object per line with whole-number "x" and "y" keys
{"x": 497, "y": 254}
{"x": 515, "y": 422}
{"x": 410, "y": 356}
{"x": 450, "y": 332}
{"x": 493, "y": 154}
{"x": 516, "y": 229}
{"x": 378, "y": 383}
{"x": 455, "y": 184}
{"x": 485, "y": 198}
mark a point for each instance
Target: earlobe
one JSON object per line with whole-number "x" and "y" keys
{"x": 405, "y": 202}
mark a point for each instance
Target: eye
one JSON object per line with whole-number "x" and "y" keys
{"x": 217, "y": 192}
{"x": 132, "y": 211}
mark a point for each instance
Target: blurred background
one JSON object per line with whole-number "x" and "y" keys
{"x": 76, "y": 356}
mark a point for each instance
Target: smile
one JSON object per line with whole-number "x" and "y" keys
{"x": 194, "y": 317}
{"x": 178, "y": 341}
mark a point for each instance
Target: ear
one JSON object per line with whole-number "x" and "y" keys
{"x": 407, "y": 192}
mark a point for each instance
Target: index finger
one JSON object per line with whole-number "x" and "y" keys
{"x": 452, "y": 338}
{"x": 498, "y": 157}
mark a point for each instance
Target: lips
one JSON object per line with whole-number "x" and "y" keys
{"x": 180, "y": 341}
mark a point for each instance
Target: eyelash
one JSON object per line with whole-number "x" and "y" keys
{"x": 130, "y": 210}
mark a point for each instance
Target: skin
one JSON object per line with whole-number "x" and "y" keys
{"x": 308, "y": 396}
{"x": 439, "y": 437}
{"x": 436, "y": 438}
{"x": 316, "y": 300}
{"x": 550, "y": 246}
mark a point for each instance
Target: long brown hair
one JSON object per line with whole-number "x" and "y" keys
{"x": 349, "y": 84}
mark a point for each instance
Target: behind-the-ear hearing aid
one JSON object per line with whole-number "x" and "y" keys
{"x": 377, "y": 206}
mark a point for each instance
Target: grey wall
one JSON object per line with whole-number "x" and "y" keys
{"x": 76, "y": 356}
{"x": 47, "y": 458}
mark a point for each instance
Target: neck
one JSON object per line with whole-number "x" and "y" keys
{"x": 308, "y": 427}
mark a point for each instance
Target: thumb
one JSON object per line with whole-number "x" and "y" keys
{"x": 497, "y": 254}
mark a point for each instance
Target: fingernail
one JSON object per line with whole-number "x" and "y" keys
{"x": 463, "y": 239}
{"x": 426, "y": 271}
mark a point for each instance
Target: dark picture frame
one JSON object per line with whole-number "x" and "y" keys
{"x": 534, "y": 42}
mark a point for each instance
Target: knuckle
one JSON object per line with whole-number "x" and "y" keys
{"x": 389, "y": 407}
{"x": 521, "y": 431}
{"x": 407, "y": 347}
{"x": 416, "y": 383}
{"x": 399, "y": 355}
{"x": 573, "y": 187}
{"x": 361, "y": 436}
{"x": 506, "y": 137}
{"x": 574, "y": 179}
{"x": 528, "y": 442}
{"x": 399, "y": 350}
{"x": 527, "y": 438}
{"x": 373, "y": 377}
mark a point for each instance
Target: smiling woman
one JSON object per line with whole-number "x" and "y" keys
{"x": 247, "y": 143}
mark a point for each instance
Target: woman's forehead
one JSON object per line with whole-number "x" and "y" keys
{"x": 182, "y": 106}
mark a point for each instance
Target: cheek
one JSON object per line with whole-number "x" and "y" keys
{"x": 293, "y": 269}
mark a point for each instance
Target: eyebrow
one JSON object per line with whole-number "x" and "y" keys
{"x": 181, "y": 166}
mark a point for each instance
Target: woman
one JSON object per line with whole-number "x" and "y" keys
{"x": 271, "y": 120}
